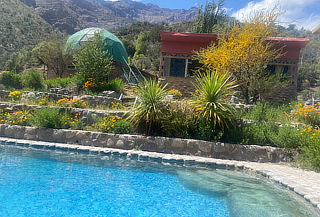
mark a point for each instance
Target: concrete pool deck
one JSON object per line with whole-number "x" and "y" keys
{"x": 302, "y": 182}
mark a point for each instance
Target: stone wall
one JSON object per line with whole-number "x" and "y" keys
{"x": 184, "y": 85}
{"x": 91, "y": 100}
{"x": 154, "y": 144}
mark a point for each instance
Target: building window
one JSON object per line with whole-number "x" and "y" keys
{"x": 276, "y": 69}
{"x": 71, "y": 67}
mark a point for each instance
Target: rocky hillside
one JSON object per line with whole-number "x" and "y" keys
{"x": 20, "y": 27}
{"x": 72, "y": 15}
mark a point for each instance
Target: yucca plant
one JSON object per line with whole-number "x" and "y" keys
{"x": 150, "y": 107}
{"x": 213, "y": 89}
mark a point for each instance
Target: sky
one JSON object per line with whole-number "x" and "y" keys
{"x": 303, "y": 13}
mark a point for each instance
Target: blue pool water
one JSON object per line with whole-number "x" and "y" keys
{"x": 49, "y": 183}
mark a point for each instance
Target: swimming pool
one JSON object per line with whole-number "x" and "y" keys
{"x": 56, "y": 183}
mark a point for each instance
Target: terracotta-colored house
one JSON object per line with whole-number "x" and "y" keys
{"x": 178, "y": 49}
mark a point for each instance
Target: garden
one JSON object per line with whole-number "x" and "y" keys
{"x": 207, "y": 115}
{"x": 155, "y": 110}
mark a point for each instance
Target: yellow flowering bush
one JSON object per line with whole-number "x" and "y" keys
{"x": 310, "y": 151}
{"x": 113, "y": 124}
{"x": 55, "y": 118}
{"x": 117, "y": 105}
{"x": 75, "y": 103}
{"x": 44, "y": 101}
{"x": 309, "y": 114}
{"x": 89, "y": 83}
{"x": 74, "y": 122}
{"x": 176, "y": 93}
{"x": 15, "y": 95}
{"x": 19, "y": 117}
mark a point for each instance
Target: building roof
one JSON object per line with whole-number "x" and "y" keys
{"x": 112, "y": 43}
{"x": 189, "y": 43}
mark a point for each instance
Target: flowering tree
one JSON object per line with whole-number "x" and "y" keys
{"x": 245, "y": 52}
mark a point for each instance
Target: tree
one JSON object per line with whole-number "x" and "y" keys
{"x": 94, "y": 63}
{"x": 19, "y": 61}
{"x": 140, "y": 44}
{"x": 245, "y": 52}
{"x": 309, "y": 68}
{"x": 209, "y": 17}
{"x": 51, "y": 54}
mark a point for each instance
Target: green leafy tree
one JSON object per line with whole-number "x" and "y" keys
{"x": 19, "y": 61}
{"x": 140, "y": 44}
{"x": 309, "y": 68}
{"x": 52, "y": 55}
{"x": 94, "y": 63}
{"x": 20, "y": 26}
{"x": 209, "y": 17}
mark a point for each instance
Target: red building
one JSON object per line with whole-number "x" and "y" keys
{"x": 178, "y": 50}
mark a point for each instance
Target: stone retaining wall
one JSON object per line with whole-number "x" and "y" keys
{"x": 91, "y": 100}
{"x": 154, "y": 144}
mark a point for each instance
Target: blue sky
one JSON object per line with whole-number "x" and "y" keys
{"x": 303, "y": 13}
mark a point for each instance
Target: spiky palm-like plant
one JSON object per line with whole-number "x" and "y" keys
{"x": 213, "y": 88}
{"x": 150, "y": 108}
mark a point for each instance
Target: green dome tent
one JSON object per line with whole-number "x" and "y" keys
{"x": 112, "y": 43}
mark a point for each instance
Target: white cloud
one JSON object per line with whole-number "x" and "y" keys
{"x": 292, "y": 11}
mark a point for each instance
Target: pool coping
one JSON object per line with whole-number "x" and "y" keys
{"x": 295, "y": 179}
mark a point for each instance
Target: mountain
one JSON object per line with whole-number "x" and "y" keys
{"x": 70, "y": 16}
{"x": 20, "y": 26}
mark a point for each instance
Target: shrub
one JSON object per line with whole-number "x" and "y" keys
{"x": 15, "y": 95}
{"x": 264, "y": 133}
{"x": 181, "y": 120}
{"x": 74, "y": 122}
{"x": 11, "y": 80}
{"x": 61, "y": 82}
{"x": 19, "y": 117}
{"x": 113, "y": 124}
{"x": 309, "y": 114}
{"x": 175, "y": 93}
{"x": 74, "y": 103}
{"x": 115, "y": 85}
{"x": 206, "y": 132}
{"x": 122, "y": 127}
{"x": 95, "y": 86}
{"x": 148, "y": 113}
{"x": 212, "y": 90}
{"x": 33, "y": 80}
{"x": 117, "y": 105}
{"x": 251, "y": 133}
{"x": 43, "y": 101}
{"x": 310, "y": 151}
{"x": 263, "y": 111}
{"x": 49, "y": 118}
